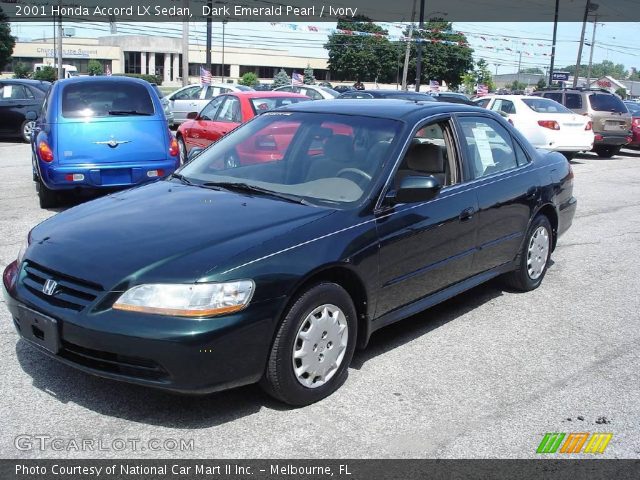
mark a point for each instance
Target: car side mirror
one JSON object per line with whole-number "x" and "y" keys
{"x": 31, "y": 116}
{"x": 417, "y": 189}
{"x": 192, "y": 116}
{"x": 194, "y": 152}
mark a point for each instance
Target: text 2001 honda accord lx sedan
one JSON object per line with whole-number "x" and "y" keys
{"x": 366, "y": 212}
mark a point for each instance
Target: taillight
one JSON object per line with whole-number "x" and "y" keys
{"x": 636, "y": 122}
{"x": 550, "y": 124}
{"x": 598, "y": 137}
{"x": 173, "y": 145}
{"x": 45, "y": 152}
{"x": 589, "y": 125}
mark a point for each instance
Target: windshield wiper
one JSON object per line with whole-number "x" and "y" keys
{"x": 183, "y": 179}
{"x": 128, "y": 112}
{"x": 245, "y": 187}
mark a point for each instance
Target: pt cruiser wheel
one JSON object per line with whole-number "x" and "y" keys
{"x": 533, "y": 259}
{"x": 313, "y": 346}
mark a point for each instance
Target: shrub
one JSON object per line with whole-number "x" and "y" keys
{"x": 157, "y": 79}
{"x": 249, "y": 79}
{"x": 95, "y": 67}
{"x": 20, "y": 70}
{"x": 47, "y": 73}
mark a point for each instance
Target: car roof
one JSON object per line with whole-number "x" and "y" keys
{"x": 265, "y": 94}
{"x": 26, "y": 81}
{"x": 371, "y": 107}
{"x": 103, "y": 78}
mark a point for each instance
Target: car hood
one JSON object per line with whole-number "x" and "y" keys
{"x": 161, "y": 232}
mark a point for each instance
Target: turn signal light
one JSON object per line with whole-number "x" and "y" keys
{"x": 636, "y": 122}
{"x": 550, "y": 124}
{"x": 589, "y": 125}
{"x": 155, "y": 173}
{"x": 45, "y": 152}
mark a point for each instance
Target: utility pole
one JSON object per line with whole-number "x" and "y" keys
{"x": 419, "y": 47}
{"x": 553, "y": 44}
{"x": 519, "y": 63}
{"x": 185, "y": 46}
{"x": 497, "y": 65}
{"x": 593, "y": 45}
{"x": 587, "y": 7}
{"x": 224, "y": 23}
{"x": 59, "y": 53}
{"x": 405, "y": 70}
{"x": 208, "y": 54}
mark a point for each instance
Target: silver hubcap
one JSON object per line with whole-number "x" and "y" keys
{"x": 320, "y": 346}
{"x": 183, "y": 152}
{"x": 538, "y": 252}
{"x": 28, "y": 129}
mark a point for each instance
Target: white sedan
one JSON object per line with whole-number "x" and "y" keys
{"x": 546, "y": 123}
{"x": 193, "y": 98}
{"x": 314, "y": 92}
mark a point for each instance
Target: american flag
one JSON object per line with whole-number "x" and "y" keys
{"x": 205, "y": 76}
{"x": 434, "y": 86}
{"x": 297, "y": 79}
{"x": 108, "y": 71}
{"x": 482, "y": 90}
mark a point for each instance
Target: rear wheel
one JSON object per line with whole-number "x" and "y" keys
{"x": 313, "y": 347}
{"x": 47, "y": 197}
{"x": 533, "y": 259}
{"x": 569, "y": 155}
{"x": 606, "y": 151}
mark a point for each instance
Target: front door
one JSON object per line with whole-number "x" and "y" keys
{"x": 425, "y": 247}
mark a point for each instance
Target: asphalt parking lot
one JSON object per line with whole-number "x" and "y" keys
{"x": 484, "y": 375}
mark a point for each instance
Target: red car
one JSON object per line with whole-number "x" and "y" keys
{"x": 226, "y": 112}
{"x": 634, "y": 110}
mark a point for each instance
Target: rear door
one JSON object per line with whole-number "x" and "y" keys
{"x": 109, "y": 122}
{"x": 204, "y": 130}
{"x": 507, "y": 190}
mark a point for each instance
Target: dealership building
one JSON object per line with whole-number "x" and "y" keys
{"x": 163, "y": 56}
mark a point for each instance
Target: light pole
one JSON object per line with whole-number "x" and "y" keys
{"x": 224, "y": 22}
{"x": 593, "y": 45}
{"x": 588, "y": 7}
{"x": 408, "y": 49}
{"x": 553, "y": 44}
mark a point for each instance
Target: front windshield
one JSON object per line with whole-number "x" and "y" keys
{"x": 320, "y": 158}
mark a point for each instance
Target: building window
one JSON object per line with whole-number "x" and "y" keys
{"x": 194, "y": 69}
{"x": 132, "y": 62}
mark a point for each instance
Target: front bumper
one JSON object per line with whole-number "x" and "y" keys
{"x": 103, "y": 176}
{"x": 172, "y": 353}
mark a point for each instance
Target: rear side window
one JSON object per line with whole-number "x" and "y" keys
{"x": 554, "y": 96}
{"x": 603, "y": 102}
{"x": 544, "y": 105}
{"x": 15, "y": 92}
{"x": 105, "y": 98}
{"x": 260, "y": 105}
{"x": 573, "y": 100}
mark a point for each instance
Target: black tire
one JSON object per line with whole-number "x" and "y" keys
{"x": 182, "y": 148}
{"x": 48, "y": 198}
{"x": 26, "y": 130}
{"x": 279, "y": 379}
{"x": 520, "y": 279}
{"x": 569, "y": 155}
{"x": 606, "y": 151}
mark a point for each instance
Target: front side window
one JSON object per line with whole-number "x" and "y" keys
{"x": 483, "y": 102}
{"x": 187, "y": 94}
{"x": 260, "y": 105}
{"x": 489, "y": 147}
{"x": 209, "y": 111}
{"x": 230, "y": 111}
{"x": 316, "y": 157}
{"x": 430, "y": 153}
{"x": 105, "y": 98}
{"x": 504, "y": 106}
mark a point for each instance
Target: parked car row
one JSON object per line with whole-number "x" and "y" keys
{"x": 336, "y": 219}
{"x": 20, "y": 104}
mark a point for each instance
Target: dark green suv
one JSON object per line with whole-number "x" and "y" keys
{"x": 610, "y": 118}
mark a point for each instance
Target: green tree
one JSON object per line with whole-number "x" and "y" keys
{"x": 364, "y": 58}
{"x": 542, "y": 83}
{"x": 440, "y": 61}
{"x": 281, "y": 79}
{"x": 7, "y": 41}
{"x": 249, "y": 79}
{"x": 598, "y": 70}
{"x": 20, "y": 70}
{"x": 480, "y": 75}
{"x": 309, "y": 79}
{"x": 47, "y": 73}
{"x": 516, "y": 85}
{"x": 622, "y": 93}
{"x": 95, "y": 67}
{"x": 634, "y": 74}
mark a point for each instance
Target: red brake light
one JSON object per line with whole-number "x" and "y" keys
{"x": 598, "y": 137}
{"x": 173, "y": 145}
{"x": 550, "y": 124}
{"x": 45, "y": 152}
{"x": 636, "y": 122}
{"x": 589, "y": 125}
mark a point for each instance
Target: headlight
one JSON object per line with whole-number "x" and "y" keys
{"x": 194, "y": 300}
{"x": 22, "y": 251}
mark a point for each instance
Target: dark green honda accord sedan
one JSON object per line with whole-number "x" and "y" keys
{"x": 278, "y": 250}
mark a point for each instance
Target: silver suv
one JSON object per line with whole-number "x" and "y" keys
{"x": 610, "y": 117}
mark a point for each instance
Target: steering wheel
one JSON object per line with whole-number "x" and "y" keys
{"x": 360, "y": 173}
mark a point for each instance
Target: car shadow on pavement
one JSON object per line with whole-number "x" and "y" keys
{"x": 136, "y": 403}
{"x": 409, "y": 329}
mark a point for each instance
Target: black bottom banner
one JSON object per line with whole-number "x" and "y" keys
{"x": 317, "y": 469}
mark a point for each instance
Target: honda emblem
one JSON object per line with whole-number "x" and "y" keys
{"x": 49, "y": 287}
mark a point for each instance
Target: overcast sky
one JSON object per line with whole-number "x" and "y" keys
{"x": 614, "y": 41}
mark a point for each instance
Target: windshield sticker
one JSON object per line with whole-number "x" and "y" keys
{"x": 484, "y": 147}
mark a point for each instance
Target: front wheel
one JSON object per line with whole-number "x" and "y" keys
{"x": 27, "y": 130}
{"x": 606, "y": 151}
{"x": 313, "y": 347}
{"x": 182, "y": 149}
{"x": 533, "y": 259}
